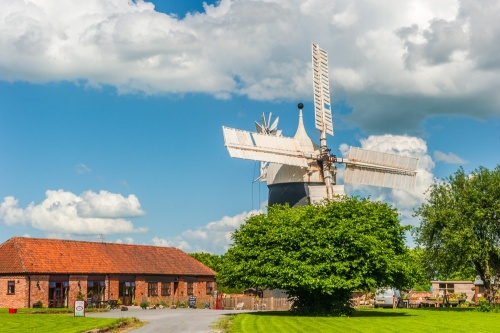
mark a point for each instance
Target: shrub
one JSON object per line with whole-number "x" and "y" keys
{"x": 484, "y": 306}
{"x": 144, "y": 304}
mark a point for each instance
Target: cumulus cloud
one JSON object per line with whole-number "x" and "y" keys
{"x": 105, "y": 204}
{"x": 449, "y": 158}
{"x": 404, "y": 200}
{"x": 214, "y": 237}
{"x": 65, "y": 213}
{"x": 393, "y": 62}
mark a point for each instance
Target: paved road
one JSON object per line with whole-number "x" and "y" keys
{"x": 170, "y": 320}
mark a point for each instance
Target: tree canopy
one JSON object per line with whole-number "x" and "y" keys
{"x": 208, "y": 259}
{"x": 460, "y": 225}
{"x": 214, "y": 261}
{"x": 320, "y": 253}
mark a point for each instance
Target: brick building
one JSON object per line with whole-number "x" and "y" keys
{"x": 55, "y": 272}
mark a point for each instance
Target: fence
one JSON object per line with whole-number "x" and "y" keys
{"x": 252, "y": 303}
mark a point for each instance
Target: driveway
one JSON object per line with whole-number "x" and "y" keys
{"x": 171, "y": 320}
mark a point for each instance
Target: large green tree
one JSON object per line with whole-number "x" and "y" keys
{"x": 320, "y": 253}
{"x": 460, "y": 225}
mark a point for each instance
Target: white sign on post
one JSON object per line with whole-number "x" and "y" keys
{"x": 79, "y": 308}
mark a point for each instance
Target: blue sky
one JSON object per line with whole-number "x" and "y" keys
{"x": 111, "y": 112}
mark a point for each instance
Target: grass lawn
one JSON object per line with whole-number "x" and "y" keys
{"x": 373, "y": 320}
{"x": 24, "y": 321}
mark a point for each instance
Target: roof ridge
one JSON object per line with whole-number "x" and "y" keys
{"x": 87, "y": 241}
{"x": 18, "y": 249}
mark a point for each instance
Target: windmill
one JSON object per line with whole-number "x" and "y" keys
{"x": 299, "y": 172}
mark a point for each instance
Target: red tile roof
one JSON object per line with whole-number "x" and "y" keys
{"x": 36, "y": 255}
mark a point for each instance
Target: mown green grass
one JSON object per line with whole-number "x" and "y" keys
{"x": 24, "y": 321}
{"x": 440, "y": 320}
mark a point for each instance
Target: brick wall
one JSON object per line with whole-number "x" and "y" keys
{"x": 19, "y": 298}
{"x": 465, "y": 288}
{"x": 113, "y": 287}
{"x": 38, "y": 286}
{"x": 178, "y": 295}
{"x": 39, "y": 290}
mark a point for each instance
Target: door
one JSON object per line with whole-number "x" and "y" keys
{"x": 127, "y": 292}
{"x": 56, "y": 295}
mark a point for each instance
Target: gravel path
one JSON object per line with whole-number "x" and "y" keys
{"x": 171, "y": 320}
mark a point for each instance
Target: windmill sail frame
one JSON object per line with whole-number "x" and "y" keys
{"x": 321, "y": 86}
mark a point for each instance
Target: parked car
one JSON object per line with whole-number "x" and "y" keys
{"x": 387, "y": 297}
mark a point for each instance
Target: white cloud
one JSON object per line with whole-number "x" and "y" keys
{"x": 126, "y": 240}
{"x": 215, "y": 237}
{"x": 449, "y": 158}
{"x": 65, "y": 213}
{"x": 10, "y": 213}
{"x": 177, "y": 242}
{"x": 105, "y": 204}
{"x": 405, "y": 201}
{"x": 394, "y": 62}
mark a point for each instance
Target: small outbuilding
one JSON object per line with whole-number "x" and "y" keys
{"x": 457, "y": 287}
{"x": 55, "y": 273}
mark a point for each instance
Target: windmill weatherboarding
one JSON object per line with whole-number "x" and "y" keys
{"x": 299, "y": 172}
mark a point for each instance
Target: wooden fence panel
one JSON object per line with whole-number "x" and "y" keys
{"x": 252, "y": 303}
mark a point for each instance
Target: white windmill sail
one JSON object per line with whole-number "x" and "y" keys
{"x": 379, "y": 169}
{"x": 269, "y": 129}
{"x": 261, "y": 147}
{"x": 321, "y": 85}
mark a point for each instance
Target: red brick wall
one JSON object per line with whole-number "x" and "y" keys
{"x": 113, "y": 287}
{"x": 39, "y": 288}
{"x": 180, "y": 295}
{"x": 141, "y": 289}
{"x": 19, "y": 298}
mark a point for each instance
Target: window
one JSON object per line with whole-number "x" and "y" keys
{"x": 210, "y": 287}
{"x": 152, "y": 288}
{"x": 95, "y": 290}
{"x": 165, "y": 288}
{"x": 446, "y": 288}
{"x": 11, "y": 287}
{"x": 190, "y": 288}
{"x": 126, "y": 288}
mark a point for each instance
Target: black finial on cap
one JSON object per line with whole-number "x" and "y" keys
{"x": 300, "y": 106}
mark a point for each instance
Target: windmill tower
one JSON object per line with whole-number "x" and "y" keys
{"x": 299, "y": 172}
